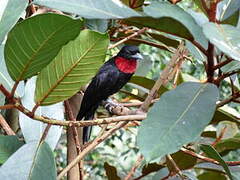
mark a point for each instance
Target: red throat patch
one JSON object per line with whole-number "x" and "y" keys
{"x": 126, "y": 65}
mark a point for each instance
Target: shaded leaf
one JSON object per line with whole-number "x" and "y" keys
{"x": 100, "y": 25}
{"x": 151, "y": 167}
{"x": 212, "y": 153}
{"x": 101, "y": 9}
{"x": 165, "y": 40}
{"x": 146, "y": 83}
{"x": 34, "y": 161}
{"x": 8, "y": 145}
{"x": 111, "y": 172}
{"x": 212, "y": 175}
{"x": 232, "y": 66}
{"x": 162, "y": 14}
{"x": 183, "y": 160}
{"x": 74, "y": 66}
{"x": 190, "y": 108}
{"x": 227, "y": 145}
{"x": 10, "y": 12}
{"x": 32, "y": 130}
{"x": 227, "y": 8}
{"x": 34, "y": 42}
{"x": 5, "y": 78}
{"x": 224, "y": 37}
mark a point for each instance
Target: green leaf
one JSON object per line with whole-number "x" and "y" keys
{"x": 200, "y": 5}
{"x": 232, "y": 66}
{"x": 211, "y": 175}
{"x": 177, "y": 118}
{"x": 151, "y": 167}
{"x": 146, "y": 83}
{"x": 162, "y": 14}
{"x": 32, "y": 161}
{"x": 100, "y": 25}
{"x": 33, "y": 130}
{"x": 227, "y": 145}
{"x": 8, "y": 145}
{"x": 10, "y": 12}
{"x": 212, "y": 153}
{"x": 34, "y": 42}
{"x": 5, "y": 78}
{"x": 74, "y": 66}
{"x": 103, "y": 9}
{"x": 111, "y": 172}
{"x": 165, "y": 40}
{"x": 224, "y": 37}
{"x": 227, "y": 8}
{"x": 183, "y": 160}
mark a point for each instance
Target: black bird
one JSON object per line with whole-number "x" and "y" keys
{"x": 111, "y": 77}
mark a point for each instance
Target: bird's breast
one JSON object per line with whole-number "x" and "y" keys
{"x": 126, "y": 65}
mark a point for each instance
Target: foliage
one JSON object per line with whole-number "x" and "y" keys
{"x": 51, "y": 49}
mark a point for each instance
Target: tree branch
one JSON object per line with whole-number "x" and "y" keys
{"x": 178, "y": 55}
{"x": 6, "y": 127}
{"x": 90, "y": 147}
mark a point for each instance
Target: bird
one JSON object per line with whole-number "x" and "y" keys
{"x": 110, "y": 78}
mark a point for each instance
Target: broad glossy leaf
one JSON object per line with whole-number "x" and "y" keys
{"x": 5, "y": 78}
{"x": 73, "y": 67}
{"x": 161, "y": 14}
{"x": 183, "y": 160}
{"x": 224, "y": 37}
{"x": 176, "y": 119}
{"x": 8, "y": 145}
{"x": 32, "y": 130}
{"x": 101, "y": 9}
{"x": 212, "y": 153}
{"x": 31, "y": 161}
{"x": 211, "y": 175}
{"x": 165, "y": 40}
{"x": 34, "y": 42}
{"x": 10, "y": 12}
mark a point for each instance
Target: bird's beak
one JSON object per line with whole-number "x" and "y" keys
{"x": 137, "y": 56}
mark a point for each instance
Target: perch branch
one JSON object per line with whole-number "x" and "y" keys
{"x": 6, "y": 127}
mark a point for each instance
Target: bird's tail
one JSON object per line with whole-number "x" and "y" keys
{"x": 89, "y": 115}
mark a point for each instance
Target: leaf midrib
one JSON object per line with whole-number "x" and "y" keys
{"x": 31, "y": 60}
{"x": 67, "y": 72}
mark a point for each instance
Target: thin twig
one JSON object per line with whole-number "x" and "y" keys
{"x": 133, "y": 169}
{"x": 128, "y": 37}
{"x": 6, "y": 127}
{"x": 180, "y": 52}
{"x": 176, "y": 169}
{"x": 45, "y": 132}
{"x": 234, "y": 97}
{"x": 220, "y": 136}
{"x": 7, "y": 106}
{"x": 90, "y": 147}
{"x": 207, "y": 159}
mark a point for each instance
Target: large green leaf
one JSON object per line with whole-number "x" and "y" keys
{"x": 177, "y": 118}
{"x": 34, "y": 42}
{"x": 32, "y": 161}
{"x": 10, "y": 12}
{"x": 101, "y": 9}
{"x": 225, "y": 37}
{"x": 8, "y": 145}
{"x": 73, "y": 67}
{"x": 212, "y": 153}
{"x": 226, "y": 145}
{"x": 161, "y": 15}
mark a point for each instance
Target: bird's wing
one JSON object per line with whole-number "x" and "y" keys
{"x": 99, "y": 89}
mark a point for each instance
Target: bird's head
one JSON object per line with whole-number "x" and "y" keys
{"x": 130, "y": 52}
